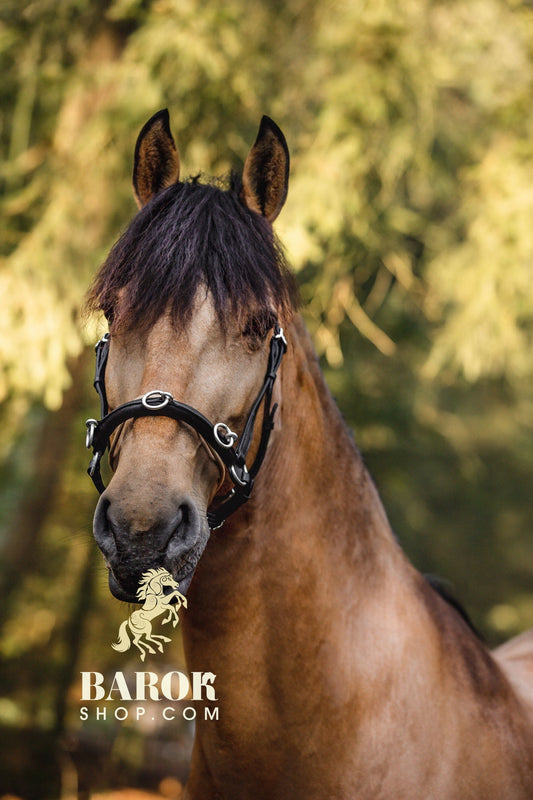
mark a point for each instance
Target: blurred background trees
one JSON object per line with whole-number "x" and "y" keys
{"x": 409, "y": 224}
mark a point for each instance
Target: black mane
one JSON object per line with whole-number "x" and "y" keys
{"x": 190, "y": 235}
{"x": 441, "y": 588}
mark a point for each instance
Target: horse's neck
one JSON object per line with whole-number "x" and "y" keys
{"x": 324, "y": 640}
{"x": 313, "y": 540}
{"x": 317, "y": 492}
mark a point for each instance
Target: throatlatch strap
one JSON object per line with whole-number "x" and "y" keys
{"x": 278, "y": 347}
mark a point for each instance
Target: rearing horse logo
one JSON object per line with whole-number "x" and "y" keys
{"x": 151, "y": 590}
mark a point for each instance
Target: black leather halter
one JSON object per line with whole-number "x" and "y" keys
{"x": 218, "y": 437}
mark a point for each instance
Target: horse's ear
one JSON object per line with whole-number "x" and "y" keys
{"x": 265, "y": 179}
{"x": 157, "y": 163}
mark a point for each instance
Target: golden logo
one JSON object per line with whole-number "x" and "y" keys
{"x": 156, "y": 602}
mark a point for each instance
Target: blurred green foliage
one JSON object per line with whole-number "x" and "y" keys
{"x": 408, "y": 223}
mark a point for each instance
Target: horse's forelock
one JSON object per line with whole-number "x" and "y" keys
{"x": 190, "y": 235}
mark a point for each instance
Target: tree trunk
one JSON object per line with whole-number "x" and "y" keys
{"x": 20, "y": 552}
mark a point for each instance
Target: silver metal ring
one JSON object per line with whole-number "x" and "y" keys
{"x": 222, "y": 430}
{"x": 236, "y": 478}
{"x": 160, "y": 399}
{"x": 89, "y": 436}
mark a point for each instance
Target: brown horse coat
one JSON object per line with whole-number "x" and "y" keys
{"x": 340, "y": 673}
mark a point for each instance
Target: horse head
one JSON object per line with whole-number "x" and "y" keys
{"x": 192, "y": 292}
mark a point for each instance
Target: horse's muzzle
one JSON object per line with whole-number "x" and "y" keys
{"x": 173, "y": 540}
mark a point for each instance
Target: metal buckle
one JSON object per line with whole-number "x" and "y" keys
{"x": 235, "y": 477}
{"x": 89, "y": 436}
{"x": 156, "y": 399}
{"x": 280, "y": 335}
{"x": 222, "y": 433}
{"x": 94, "y": 463}
{"x": 102, "y": 341}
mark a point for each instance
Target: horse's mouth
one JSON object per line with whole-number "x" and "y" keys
{"x": 182, "y": 572}
{"x": 174, "y": 543}
{"x": 117, "y": 590}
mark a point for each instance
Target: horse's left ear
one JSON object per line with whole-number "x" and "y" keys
{"x": 157, "y": 163}
{"x": 265, "y": 179}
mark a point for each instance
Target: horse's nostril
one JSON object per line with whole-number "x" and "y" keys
{"x": 185, "y": 530}
{"x": 183, "y": 515}
{"x": 183, "y": 524}
{"x": 103, "y": 530}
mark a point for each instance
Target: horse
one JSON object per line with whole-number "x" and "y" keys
{"x": 155, "y": 602}
{"x": 341, "y": 672}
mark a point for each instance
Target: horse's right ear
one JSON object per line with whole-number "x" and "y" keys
{"x": 157, "y": 163}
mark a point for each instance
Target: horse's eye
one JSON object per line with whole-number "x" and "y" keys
{"x": 258, "y": 326}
